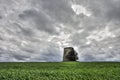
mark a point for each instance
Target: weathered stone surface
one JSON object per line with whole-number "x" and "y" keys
{"x": 69, "y": 54}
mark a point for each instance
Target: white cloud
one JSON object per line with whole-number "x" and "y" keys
{"x": 78, "y": 9}
{"x": 100, "y": 35}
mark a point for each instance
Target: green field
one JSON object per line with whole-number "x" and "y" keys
{"x": 60, "y": 71}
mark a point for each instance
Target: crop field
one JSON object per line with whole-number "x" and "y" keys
{"x": 60, "y": 71}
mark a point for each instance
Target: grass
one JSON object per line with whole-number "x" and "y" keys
{"x": 60, "y": 71}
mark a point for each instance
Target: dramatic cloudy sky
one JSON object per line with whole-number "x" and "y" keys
{"x": 38, "y": 30}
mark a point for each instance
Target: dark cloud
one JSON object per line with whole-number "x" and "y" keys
{"x": 23, "y": 31}
{"x": 59, "y": 10}
{"x": 0, "y": 17}
{"x": 41, "y": 21}
{"x": 19, "y": 57}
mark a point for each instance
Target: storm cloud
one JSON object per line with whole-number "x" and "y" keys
{"x": 38, "y": 30}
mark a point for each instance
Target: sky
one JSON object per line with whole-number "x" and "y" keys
{"x": 39, "y": 30}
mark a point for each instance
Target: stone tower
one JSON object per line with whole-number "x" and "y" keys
{"x": 69, "y": 54}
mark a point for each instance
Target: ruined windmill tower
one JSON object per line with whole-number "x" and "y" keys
{"x": 69, "y": 54}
